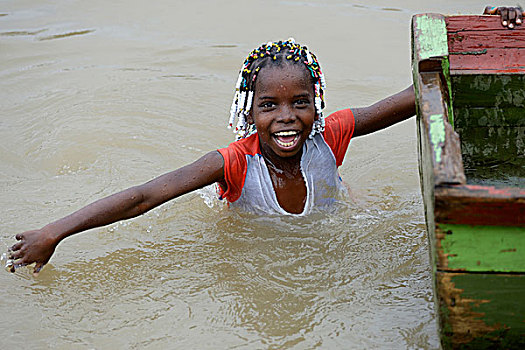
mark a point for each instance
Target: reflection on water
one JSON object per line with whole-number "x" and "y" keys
{"x": 129, "y": 90}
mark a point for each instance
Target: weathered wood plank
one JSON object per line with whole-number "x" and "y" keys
{"x": 444, "y": 142}
{"x": 481, "y": 248}
{"x": 493, "y": 91}
{"x": 488, "y": 61}
{"x": 480, "y": 44}
{"x": 490, "y": 114}
{"x": 475, "y": 117}
{"x": 475, "y": 42}
{"x": 482, "y": 311}
{"x": 459, "y": 23}
{"x": 430, "y": 52}
{"x": 487, "y": 146}
{"x": 453, "y": 209}
{"x": 480, "y": 205}
{"x": 471, "y": 32}
{"x": 429, "y": 37}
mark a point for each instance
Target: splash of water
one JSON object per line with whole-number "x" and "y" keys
{"x": 209, "y": 195}
{"x": 9, "y": 264}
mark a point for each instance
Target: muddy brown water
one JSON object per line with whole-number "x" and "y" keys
{"x": 99, "y": 96}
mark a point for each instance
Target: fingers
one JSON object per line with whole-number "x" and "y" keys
{"x": 504, "y": 15}
{"x": 15, "y": 255}
{"x": 510, "y": 16}
{"x": 17, "y": 246}
{"x": 519, "y": 16}
{"x": 15, "y": 262}
{"x": 29, "y": 249}
{"x": 37, "y": 269}
{"x": 18, "y": 265}
{"x": 12, "y": 266}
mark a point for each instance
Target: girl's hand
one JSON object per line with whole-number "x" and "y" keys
{"x": 34, "y": 247}
{"x": 510, "y": 16}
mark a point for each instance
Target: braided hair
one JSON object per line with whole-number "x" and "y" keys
{"x": 277, "y": 53}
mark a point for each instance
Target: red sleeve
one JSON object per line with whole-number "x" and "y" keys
{"x": 236, "y": 166}
{"x": 339, "y": 128}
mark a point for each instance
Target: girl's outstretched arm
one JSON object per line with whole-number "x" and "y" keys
{"x": 37, "y": 246}
{"x": 385, "y": 113}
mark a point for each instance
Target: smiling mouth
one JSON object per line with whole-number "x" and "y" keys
{"x": 286, "y": 139}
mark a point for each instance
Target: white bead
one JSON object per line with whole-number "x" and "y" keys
{"x": 239, "y": 81}
{"x": 241, "y": 101}
{"x": 249, "y": 101}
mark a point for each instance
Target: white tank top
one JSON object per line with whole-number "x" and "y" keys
{"x": 319, "y": 169}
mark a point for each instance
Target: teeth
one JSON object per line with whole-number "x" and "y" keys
{"x": 286, "y": 144}
{"x": 286, "y": 133}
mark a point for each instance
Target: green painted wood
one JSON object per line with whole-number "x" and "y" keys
{"x": 430, "y": 50}
{"x": 491, "y": 107}
{"x": 504, "y": 295}
{"x": 499, "y": 174}
{"x": 474, "y": 117}
{"x": 445, "y": 69}
{"x": 432, "y": 33}
{"x": 426, "y": 172}
{"x": 490, "y": 118}
{"x": 437, "y": 135}
{"x": 483, "y": 248}
{"x": 488, "y": 90}
{"x": 492, "y": 143}
{"x": 426, "y": 166}
{"x": 482, "y": 311}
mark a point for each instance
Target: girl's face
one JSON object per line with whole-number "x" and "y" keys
{"x": 283, "y": 109}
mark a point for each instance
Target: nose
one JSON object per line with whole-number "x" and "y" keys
{"x": 287, "y": 114}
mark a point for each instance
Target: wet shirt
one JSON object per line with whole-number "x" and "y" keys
{"x": 248, "y": 183}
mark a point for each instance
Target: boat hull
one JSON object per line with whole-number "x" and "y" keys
{"x": 469, "y": 79}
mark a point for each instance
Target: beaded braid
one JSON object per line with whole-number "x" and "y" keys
{"x": 274, "y": 52}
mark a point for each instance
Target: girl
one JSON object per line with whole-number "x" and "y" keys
{"x": 284, "y": 161}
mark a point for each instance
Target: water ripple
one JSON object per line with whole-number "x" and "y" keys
{"x": 66, "y": 35}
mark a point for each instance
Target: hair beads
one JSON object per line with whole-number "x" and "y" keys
{"x": 273, "y": 53}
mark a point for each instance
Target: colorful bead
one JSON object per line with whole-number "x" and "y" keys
{"x": 244, "y": 88}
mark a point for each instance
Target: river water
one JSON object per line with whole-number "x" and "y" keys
{"x": 98, "y": 96}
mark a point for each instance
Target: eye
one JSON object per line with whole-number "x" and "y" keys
{"x": 266, "y": 105}
{"x": 302, "y": 103}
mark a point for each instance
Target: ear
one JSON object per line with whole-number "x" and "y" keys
{"x": 249, "y": 118}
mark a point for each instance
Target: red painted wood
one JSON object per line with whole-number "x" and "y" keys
{"x": 473, "y": 22}
{"x": 480, "y": 205}
{"x": 485, "y": 71}
{"x": 469, "y": 41}
{"x": 501, "y": 60}
{"x": 482, "y": 43}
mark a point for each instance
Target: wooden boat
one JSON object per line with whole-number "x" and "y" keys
{"x": 469, "y": 78}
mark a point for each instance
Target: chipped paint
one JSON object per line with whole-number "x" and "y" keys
{"x": 437, "y": 135}
{"x": 481, "y": 310}
{"x": 479, "y": 270}
{"x": 445, "y": 68}
{"x": 433, "y": 37}
{"x": 482, "y": 248}
{"x": 480, "y": 52}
